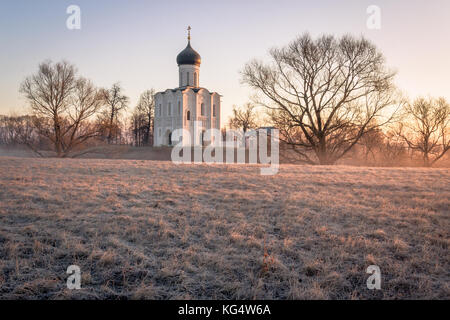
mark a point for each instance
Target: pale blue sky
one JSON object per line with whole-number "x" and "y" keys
{"x": 136, "y": 42}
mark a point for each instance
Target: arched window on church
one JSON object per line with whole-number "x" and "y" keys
{"x": 169, "y": 110}
{"x": 187, "y": 78}
{"x": 179, "y": 108}
{"x": 202, "y": 111}
{"x": 214, "y": 110}
{"x": 195, "y": 79}
{"x": 188, "y": 115}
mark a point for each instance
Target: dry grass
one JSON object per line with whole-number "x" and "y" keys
{"x": 144, "y": 229}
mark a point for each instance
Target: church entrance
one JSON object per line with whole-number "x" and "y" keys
{"x": 168, "y": 138}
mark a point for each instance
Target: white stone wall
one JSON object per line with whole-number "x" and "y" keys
{"x": 167, "y": 115}
{"x": 191, "y": 101}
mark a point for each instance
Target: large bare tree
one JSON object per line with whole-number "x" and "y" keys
{"x": 426, "y": 128}
{"x": 324, "y": 94}
{"x": 62, "y": 105}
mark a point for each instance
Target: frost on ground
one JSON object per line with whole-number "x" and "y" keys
{"x": 154, "y": 230}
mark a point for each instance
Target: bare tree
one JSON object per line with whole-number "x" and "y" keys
{"x": 426, "y": 128}
{"x": 62, "y": 104}
{"x": 244, "y": 118}
{"x": 85, "y": 102}
{"x": 115, "y": 102}
{"x": 372, "y": 142}
{"x": 138, "y": 127}
{"x": 48, "y": 93}
{"x": 146, "y": 107}
{"x": 393, "y": 151}
{"x": 324, "y": 94}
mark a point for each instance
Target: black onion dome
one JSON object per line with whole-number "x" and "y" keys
{"x": 189, "y": 56}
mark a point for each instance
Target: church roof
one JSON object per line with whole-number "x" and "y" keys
{"x": 182, "y": 89}
{"x": 189, "y": 56}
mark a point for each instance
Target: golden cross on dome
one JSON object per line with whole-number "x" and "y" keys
{"x": 189, "y": 33}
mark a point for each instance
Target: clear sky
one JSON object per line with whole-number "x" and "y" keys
{"x": 136, "y": 42}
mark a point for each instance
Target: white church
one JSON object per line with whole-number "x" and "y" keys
{"x": 180, "y": 107}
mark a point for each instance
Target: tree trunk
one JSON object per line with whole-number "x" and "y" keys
{"x": 323, "y": 154}
{"x": 426, "y": 159}
{"x": 111, "y": 121}
{"x": 57, "y": 129}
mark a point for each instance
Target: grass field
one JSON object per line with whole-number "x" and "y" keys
{"x": 154, "y": 230}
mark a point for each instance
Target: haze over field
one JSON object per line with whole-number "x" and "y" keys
{"x": 146, "y": 229}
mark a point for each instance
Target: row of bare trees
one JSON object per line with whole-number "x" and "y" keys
{"x": 329, "y": 97}
{"x": 426, "y": 128}
{"x": 419, "y": 136}
{"x": 69, "y": 114}
{"x": 19, "y": 130}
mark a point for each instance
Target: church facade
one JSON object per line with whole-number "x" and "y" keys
{"x": 187, "y": 105}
